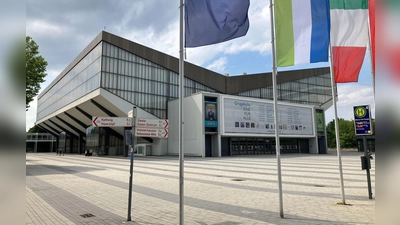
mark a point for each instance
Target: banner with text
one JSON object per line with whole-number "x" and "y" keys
{"x": 258, "y": 118}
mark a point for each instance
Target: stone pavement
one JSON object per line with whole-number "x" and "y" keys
{"x": 74, "y": 189}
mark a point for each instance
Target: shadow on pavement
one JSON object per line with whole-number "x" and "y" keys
{"x": 38, "y": 170}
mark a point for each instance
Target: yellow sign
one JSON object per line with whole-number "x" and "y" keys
{"x": 360, "y": 112}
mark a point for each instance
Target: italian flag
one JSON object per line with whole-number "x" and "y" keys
{"x": 349, "y": 38}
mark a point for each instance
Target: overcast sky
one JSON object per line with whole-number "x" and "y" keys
{"x": 62, "y": 29}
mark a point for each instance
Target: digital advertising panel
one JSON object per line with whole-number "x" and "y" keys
{"x": 241, "y": 116}
{"x": 210, "y": 115}
{"x": 319, "y": 117}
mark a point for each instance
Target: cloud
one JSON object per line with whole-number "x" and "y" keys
{"x": 218, "y": 65}
{"x": 349, "y": 95}
{"x": 257, "y": 39}
{"x": 42, "y": 27}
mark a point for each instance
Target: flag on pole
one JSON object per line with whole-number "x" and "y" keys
{"x": 371, "y": 9}
{"x": 302, "y": 31}
{"x": 213, "y": 21}
{"x": 349, "y": 38}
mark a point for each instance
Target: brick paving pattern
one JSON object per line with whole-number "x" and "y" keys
{"x": 218, "y": 191}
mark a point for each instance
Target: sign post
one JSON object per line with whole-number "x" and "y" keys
{"x": 156, "y": 128}
{"x": 132, "y": 149}
{"x": 362, "y": 125}
{"x": 111, "y": 121}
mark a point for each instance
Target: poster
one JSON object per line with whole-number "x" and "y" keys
{"x": 319, "y": 116}
{"x": 211, "y": 115}
{"x": 258, "y": 118}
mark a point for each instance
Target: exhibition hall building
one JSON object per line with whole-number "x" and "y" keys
{"x": 223, "y": 115}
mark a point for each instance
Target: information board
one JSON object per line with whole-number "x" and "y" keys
{"x": 362, "y": 120}
{"x": 258, "y": 118}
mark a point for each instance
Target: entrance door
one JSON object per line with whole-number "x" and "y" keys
{"x": 225, "y": 147}
{"x": 321, "y": 145}
{"x": 303, "y": 145}
{"x": 208, "y": 146}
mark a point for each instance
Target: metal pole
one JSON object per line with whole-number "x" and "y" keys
{"x": 132, "y": 148}
{"x": 277, "y": 141}
{"x": 336, "y": 126}
{"x": 180, "y": 120}
{"x": 372, "y": 58}
{"x": 369, "y": 162}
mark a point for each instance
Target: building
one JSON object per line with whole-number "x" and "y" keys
{"x": 370, "y": 143}
{"x": 223, "y": 125}
{"x": 112, "y": 74}
{"x": 40, "y": 142}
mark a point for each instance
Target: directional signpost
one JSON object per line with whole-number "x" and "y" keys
{"x": 111, "y": 121}
{"x": 151, "y": 132}
{"x": 363, "y": 127}
{"x": 152, "y": 128}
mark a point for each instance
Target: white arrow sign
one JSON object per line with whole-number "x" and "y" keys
{"x": 111, "y": 121}
{"x": 152, "y": 123}
{"x": 151, "y": 132}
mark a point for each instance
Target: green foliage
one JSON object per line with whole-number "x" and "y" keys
{"x": 35, "y": 70}
{"x": 36, "y": 129}
{"x": 346, "y": 133}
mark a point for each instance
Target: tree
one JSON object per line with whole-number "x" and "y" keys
{"x": 35, "y": 70}
{"x": 36, "y": 129}
{"x": 346, "y": 133}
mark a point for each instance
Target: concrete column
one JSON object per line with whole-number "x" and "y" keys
{"x": 80, "y": 138}
{"x": 51, "y": 144}
{"x": 35, "y": 147}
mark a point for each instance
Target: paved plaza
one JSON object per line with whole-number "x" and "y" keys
{"x": 74, "y": 189}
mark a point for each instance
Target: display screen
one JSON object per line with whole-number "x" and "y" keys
{"x": 210, "y": 115}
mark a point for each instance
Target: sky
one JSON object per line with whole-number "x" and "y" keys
{"x": 62, "y": 29}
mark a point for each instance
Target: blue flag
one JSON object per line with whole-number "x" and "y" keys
{"x": 213, "y": 21}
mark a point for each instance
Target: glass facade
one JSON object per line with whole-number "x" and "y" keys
{"x": 311, "y": 91}
{"x": 102, "y": 142}
{"x": 40, "y": 137}
{"x": 82, "y": 79}
{"x": 257, "y": 146}
{"x": 142, "y": 82}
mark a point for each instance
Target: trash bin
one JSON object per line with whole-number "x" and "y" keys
{"x": 365, "y": 162}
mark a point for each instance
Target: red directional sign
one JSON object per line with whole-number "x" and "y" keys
{"x": 151, "y": 132}
{"x": 111, "y": 121}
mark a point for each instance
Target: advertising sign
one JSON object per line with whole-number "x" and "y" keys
{"x": 362, "y": 120}
{"x": 258, "y": 118}
{"x": 211, "y": 119}
{"x": 319, "y": 116}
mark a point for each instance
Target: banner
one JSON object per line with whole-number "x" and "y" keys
{"x": 258, "y": 118}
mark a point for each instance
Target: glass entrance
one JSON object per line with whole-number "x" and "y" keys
{"x": 258, "y": 146}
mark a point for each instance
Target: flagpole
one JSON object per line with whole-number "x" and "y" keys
{"x": 277, "y": 141}
{"x": 336, "y": 124}
{"x": 180, "y": 120}
{"x": 371, "y": 56}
